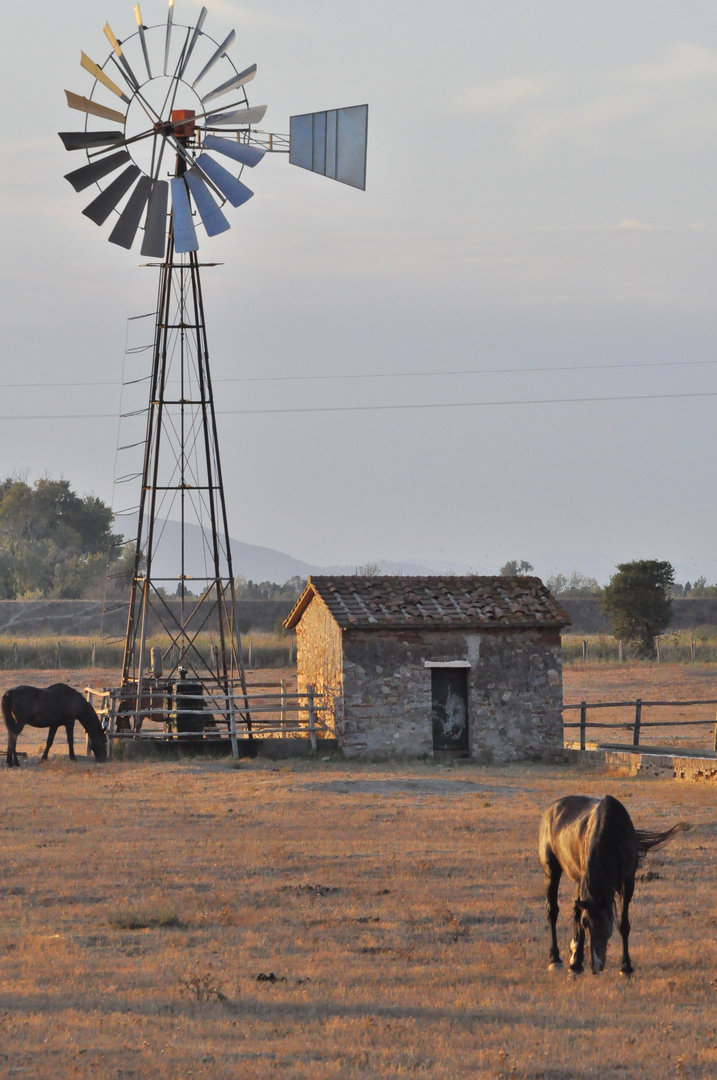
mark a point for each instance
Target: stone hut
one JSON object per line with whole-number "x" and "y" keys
{"x": 464, "y": 666}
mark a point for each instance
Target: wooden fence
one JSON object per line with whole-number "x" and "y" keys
{"x": 215, "y": 716}
{"x": 637, "y": 725}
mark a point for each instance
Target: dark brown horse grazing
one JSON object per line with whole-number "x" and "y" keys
{"x": 57, "y": 706}
{"x": 595, "y": 843}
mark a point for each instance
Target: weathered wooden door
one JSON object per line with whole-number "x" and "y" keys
{"x": 449, "y": 698}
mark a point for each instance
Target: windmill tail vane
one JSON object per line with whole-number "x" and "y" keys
{"x": 168, "y": 135}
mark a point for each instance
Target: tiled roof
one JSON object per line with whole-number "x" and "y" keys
{"x": 386, "y": 602}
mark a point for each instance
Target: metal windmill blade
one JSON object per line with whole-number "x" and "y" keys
{"x": 154, "y": 244}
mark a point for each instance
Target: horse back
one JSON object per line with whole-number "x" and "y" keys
{"x": 42, "y": 706}
{"x": 565, "y": 832}
{"x": 582, "y": 833}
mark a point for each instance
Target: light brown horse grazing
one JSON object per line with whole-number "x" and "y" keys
{"x": 594, "y": 842}
{"x": 57, "y": 706}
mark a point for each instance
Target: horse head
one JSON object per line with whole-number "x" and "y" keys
{"x": 98, "y": 745}
{"x": 597, "y": 921}
{"x": 95, "y": 732}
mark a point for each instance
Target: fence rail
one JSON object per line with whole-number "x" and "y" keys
{"x": 637, "y": 724}
{"x": 212, "y": 716}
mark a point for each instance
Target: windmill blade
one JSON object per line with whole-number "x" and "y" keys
{"x": 231, "y": 188}
{"x": 193, "y": 42}
{"x": 142, "y": 39}
{"x": 99, "y": 210}
{"x": 213, "y": 219}
{"x": 231, "y": 84}
{"x": 185, "y": 236}
{"x": 239, "y": 118}
{"x": 95, "y": 70}
{"x": 83, "y": 104}
{"x": 155, "y": 226}
{"x": 125, "y": 230}
{"x": 168, "y": 38}
{"x": 134, "y": 82}
{"x": 88, "y": 140}
{"x": 90, "y": 174}
{"x": 221, "y": 51}
{"x": 238, "y": 151}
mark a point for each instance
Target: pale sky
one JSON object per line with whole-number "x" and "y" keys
{"x": 541, "y": 194}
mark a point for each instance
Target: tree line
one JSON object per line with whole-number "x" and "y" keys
{"x": 55, "y": 544}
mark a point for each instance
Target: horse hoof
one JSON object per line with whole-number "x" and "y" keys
{"x": 625, "y": 974}
{"x": 574, "y": 973}
{"x": 555, "y": 965}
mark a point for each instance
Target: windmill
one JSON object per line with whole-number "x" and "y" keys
{"x": 168, "y": 134}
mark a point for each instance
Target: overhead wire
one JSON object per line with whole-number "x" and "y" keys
{"x": 398, "y": 407}
{"x": 388, "y": 374}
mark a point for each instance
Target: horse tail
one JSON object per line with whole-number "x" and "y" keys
{"x": 647, "y": 840}
{"x": 7, "y": 709}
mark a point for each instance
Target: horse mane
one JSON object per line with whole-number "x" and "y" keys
{"x": 647, "y": 840}
{"x": 612, "y": 841}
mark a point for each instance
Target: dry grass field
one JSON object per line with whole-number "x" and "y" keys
{"x": 652, "y": 682}
{"x": 318, "y": 919}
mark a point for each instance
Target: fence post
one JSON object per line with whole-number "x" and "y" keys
{"x": 59, "y": 656}
{"x": 111, "y": 726}
{"x": 94, "y": 653}
{"x": 15, "y": 656}
{"x": 283, "y": 710}
{"x": 249, "y": 657}
{"x": 585, "y": 648}
{"x": 312, "y": 717}
{"x": 233, "y": 725}
{"x": 638, "y": 721}
{"x": 619, "y": 650}
{"x": 693, "y": 649}
{"x": 583, "y": 722}
{"x": 657, "y": 649}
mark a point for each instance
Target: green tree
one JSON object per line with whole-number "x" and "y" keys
{"x": 638, "y": 603}
{"x": 53, "y": 543}
{"x": 513, "y": 568}
{"x": 577, "y": 585}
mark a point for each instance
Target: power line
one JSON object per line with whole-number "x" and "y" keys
{"x": 389, "y": 408}
{"x": 390, "y": 374}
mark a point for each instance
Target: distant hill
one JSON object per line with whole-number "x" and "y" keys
{"x": 253, "y": 562}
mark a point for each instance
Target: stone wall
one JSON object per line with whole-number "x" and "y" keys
{"x": 514, "y": 691}
{"x": 318, "y": 659}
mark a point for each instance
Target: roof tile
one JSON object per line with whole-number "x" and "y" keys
{"x": 373, "y": 602}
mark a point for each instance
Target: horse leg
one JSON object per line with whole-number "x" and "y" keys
{"x": 70, "y": 729}
{"x": 552, "y": 883}
{"x": 628, "y": 888}
{"x": 577, "y": 945}
{"x": 12, "y": 758}
{"x": 50, "y": 739}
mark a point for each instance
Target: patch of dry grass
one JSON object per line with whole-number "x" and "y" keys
{"x": 335, "y": 921}
{"x": 595, "y": 681}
